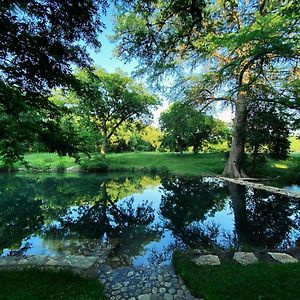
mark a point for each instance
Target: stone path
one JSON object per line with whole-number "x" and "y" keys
{"x": 138, "y": 283}
{"x": 263, "y": 187}
{"x": 134, "y": 283}
{"x": 83, "y": 265}
{"x": 243, "y": 258}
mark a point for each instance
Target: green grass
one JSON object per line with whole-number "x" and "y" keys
{"x": 185, "y": 164}
{"x": 286, "y": 172}
{"x": 46, "y": 161}
{"x": 264, "y": 281}
{"x": 37, "y": 285}
{"x": 295, "y": 144}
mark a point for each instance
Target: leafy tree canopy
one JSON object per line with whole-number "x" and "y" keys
{"x": 40, "y": 42}
{"x": 268, "y": 126}
{"x": 108, "y": 100}
{"x": 184, "y": 126}
{"x": 246, "y": 50}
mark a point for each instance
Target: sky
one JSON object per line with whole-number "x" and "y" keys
{"x": 106, "y": 59}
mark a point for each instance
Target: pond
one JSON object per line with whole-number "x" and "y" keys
{"x": 147, "y": 216}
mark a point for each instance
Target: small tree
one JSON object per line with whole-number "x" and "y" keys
{"x": 106, "y": 101}
{"x": 184, "y": 126}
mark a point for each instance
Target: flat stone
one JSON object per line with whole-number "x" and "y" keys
{"x": 52, "y": 262}
{"x": 207, "y": 260}
{"x": 3, "y": 261}
{"x": 168, "y": 297}
{"x": 23, "y": 261}
{"x": 72, "y": 169}
{"x": 283, "y": 257}
{"x": 116, "y": 286}
{"x": 144, "y": 297}
{"x": 83, "y": 262}
{"x": 130, "y": 274}
{"x": 245, "y": 258}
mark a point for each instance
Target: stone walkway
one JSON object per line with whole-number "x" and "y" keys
{"x": 138, "y": 283}
{"x": 263, "y": 187}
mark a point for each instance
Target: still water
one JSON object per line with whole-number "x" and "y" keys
{"x": 148, "y": 216}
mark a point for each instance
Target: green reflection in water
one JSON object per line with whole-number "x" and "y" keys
{"x": 147, "y": 215}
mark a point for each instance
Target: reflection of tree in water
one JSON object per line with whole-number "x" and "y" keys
{"x": 186, "y": 203}
{"x": 20, "y": 213}
{"x": 69, "y": 207}
{"x": 114, "y": 219}
{"x": 263, "y": 219}
{"x": 103, "y": 216}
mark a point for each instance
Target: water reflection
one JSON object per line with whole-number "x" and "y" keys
{"x": 263, "y": 219}
{"x": 147, "y": 216}
{"x": 185, "y": 205}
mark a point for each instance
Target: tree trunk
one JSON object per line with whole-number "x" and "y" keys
{"x": 103, "y": 145}
{"x": 195, "y": 149}
{"x": 234, "y": 166}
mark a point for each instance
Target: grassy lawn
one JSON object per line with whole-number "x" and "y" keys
{"x": 36, "y": 285}
{"x": 263, "y": 281}
{"x": 185, "y": 164}
{"x": 286, "y": 172}
{"x": 48, "y": 160}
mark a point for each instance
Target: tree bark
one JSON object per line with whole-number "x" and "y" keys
{"x": 195, "y": 149}
{"x": 103, "y": 145}
{"x": 234, "y": 166}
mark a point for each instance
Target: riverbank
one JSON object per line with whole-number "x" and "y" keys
{"x": 280, "y": 173}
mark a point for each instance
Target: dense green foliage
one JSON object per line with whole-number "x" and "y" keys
{"x": 40, "y": 42}
{"x": 246, "y": 50}
{"x": 184, "y": 126}
{"x": 36, "y": 285}
{"x": 233, "y": 281}
{"x": 103, "y": 102}
{"x": 135, "y": 136}
{"x": 268, "y": 130}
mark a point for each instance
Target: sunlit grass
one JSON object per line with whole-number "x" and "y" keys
{"x": 295, "y": 144}
{"x": 281, "y": 166}
{"x": 187, "y": 164}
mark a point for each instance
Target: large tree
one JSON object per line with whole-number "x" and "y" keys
{"x": 247, "y": 50}
{"x": 40, "y": 42}
{"x": 108, "y": 100}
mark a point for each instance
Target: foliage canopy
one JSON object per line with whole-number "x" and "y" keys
{"x": 246, "y": 51}
{"x": 40, "y": 42}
